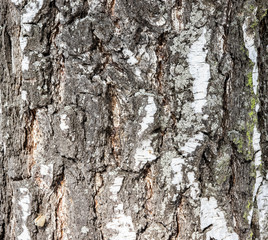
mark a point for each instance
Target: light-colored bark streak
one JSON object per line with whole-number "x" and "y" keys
{"x": 177, "y": 17}
{"x": 192, "y": 144}
{"x": 31, "y": 10}
{"x": 17, "y": 2}
{"x": 258, "y": 194}
{"x": 200, "y": 71}
{"x": 25, "y": 204}
{"x": 121, "y": 225}
{"x": 259, "y": 177}
{"x": 262, "y": 202}
{"x": 178, "y": 163}
{"x": 44, "y": 174}
{"x": 62, "y": 75}
{"x": 145, "y": 153}
{"x": 63, "y": 122}
{"x": 193, "y": 184}
{"x": 132, "y": 60}
{"x": 176, "y": 166}
{"x": 62, "y": 213}
{"x": 25, "y": 63}
{"x": 252, "y": 52}
{"x": 24, "y": 95}
{"x": 116, "y": 112}
{"x": 211, "y": 215}
{"x": 115, "y": 188}
{"x": 29, "y": 13}
{"x": 150, "y": 110}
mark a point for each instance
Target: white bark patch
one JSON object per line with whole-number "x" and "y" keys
{"x": 149, "y": 117}
{"x": 25, "y": 63}
{"x": 160, "y": 22}
{"x": 205, "y": 117}
{"x": 131, "y": 58}
{"x": 46, "y": 170}
{"x": 144, "y": 154}
{"x": 122, "y": 225}
{"x": 256, "y": 146}
{"x": 176, "y": 166}
{"x": 84, "y": 230}
{"x": 262, "y": 201}
{"x": 29, "y": 13}
{"x": 192, "y": 144}
{"x": 63, "y": 122}
{"x": 212, "y": 215}
{"x": 252, "y": 51}
{"x": 178, "y": 163}
{"x": 23, "y": 95}
{"x": 17, "y": 2}
{"x": 137, "y": 72}
{"x": 193, "y": 184}
{"x": 24, "y": 203}
{"x": 257, "y": 162}
{"x": 200, "y": 71}
{"x": 31, "y": 9}
{"x": 23, "y": 43}
{"x": 257, "y": 185}
{"x": 115, "y": 188}
{"x": 47, "y": 176}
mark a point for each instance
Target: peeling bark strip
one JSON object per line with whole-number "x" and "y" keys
{"x": 24, "y": 203}
{"x": 133, "y": 119}
{"x": 121, "y": 224}
{"x": 200, "y": 70}
{"x": 213, "y": 221}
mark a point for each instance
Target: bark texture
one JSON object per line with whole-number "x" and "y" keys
{"x": 126, "y": 119}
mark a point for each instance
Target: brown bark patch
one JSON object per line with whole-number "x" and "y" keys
{"x": 149, "y": 192}
{"x": 33, "y": 138}
{"x": 62, "y": 216}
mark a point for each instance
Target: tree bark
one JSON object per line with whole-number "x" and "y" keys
{"x": 126, "y": 119}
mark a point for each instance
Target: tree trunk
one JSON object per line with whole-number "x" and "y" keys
{"x": 126, "y": 119}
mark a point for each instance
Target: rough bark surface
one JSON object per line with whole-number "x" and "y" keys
{"x": 126, "y": 119}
